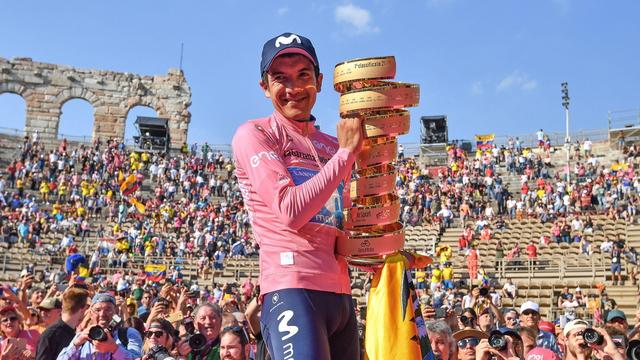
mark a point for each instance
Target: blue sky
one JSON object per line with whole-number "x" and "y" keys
{"x": 491, "y": 66}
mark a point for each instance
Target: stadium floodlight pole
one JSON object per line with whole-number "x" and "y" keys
{"x": 567, "y": 139}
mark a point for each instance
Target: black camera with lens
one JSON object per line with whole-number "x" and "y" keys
{"x": 197, "y": 342}
{"x": 159, "y": 352}
{"x": 498, "y": 341}
{"x": 633, "y": 350}
{"x": 97, "y": 333}
{"x": 592, "y": 337}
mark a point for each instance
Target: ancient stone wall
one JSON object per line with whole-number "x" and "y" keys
{"x": 46, "y": 87}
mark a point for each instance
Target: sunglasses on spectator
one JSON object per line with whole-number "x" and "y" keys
{"x": 9, "y": 319}
{"x": 150, "y": 334}
{"x": 510, "y": 318}
{"x": 238, "y": 330}
{"x": 529, "y": 312}
{"x": 464, "y": 343}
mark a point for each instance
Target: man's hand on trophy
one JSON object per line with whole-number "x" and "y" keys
{"x": 350, "y": 134}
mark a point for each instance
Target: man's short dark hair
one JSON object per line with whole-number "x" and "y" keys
{"x": 237, "y": 331}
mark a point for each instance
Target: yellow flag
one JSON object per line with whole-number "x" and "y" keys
{"x": 395, "y": 328}
{"x": 139, "y": 206}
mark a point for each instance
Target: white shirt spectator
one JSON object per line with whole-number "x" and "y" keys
{"x": 577, "y": 224}
{"x": 67, "y": 241}
{"x": 510, "y": 288}
{"x": 489, "y": 213}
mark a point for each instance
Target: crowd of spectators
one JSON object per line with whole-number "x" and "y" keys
{"x": 55, "y": 201}
{"x": 127, "y": 316}
{"x": 68, "y": 200}
{"x": 193, "y": 206}
{"x": 472, "y": 187}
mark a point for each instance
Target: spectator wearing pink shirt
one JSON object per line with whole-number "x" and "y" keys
{"x": 17, "y": 343}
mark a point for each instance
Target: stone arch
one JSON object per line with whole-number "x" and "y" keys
{"x": 12, "y": 87}
{"x": 74, "y": 130}
{"x": 46, "y": 87}
{"x": 150, "y": 102}
{"x": 16, "y": 88}
{"x": 13, "y": 109}
{"x": 77, "y": 93}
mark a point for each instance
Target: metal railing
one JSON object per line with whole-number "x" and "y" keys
{"x": 549, "y": 267}
{"x": 619, "y": 119}
{"x": 556, "y": 138}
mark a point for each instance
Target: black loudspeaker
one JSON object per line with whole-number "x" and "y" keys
{"x": 434, "y": 130}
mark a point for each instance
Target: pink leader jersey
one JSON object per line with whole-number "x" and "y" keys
{"x": 295, "y": 205}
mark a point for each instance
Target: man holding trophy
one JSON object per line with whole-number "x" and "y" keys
{"x": 293, "y": 178}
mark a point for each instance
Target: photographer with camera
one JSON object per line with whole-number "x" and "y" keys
{"x": 583, "y": 341}
{"x": 502, "y": 344}
{"x": 467, "y": 341}
{"x": 105, "y": 338}
{"x": 160, "y": 339}
{"x": 202, "y": 340}
{"x": 468, "y": 319}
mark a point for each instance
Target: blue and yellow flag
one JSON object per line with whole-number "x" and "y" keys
{"x": 395, "y": 328}
{"x": 485, "y": 142}
{"x": 155, "y": 272}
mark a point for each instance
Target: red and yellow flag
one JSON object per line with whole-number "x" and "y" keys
{"x": 395, "y": 328}
{"x": 129, "y": 185}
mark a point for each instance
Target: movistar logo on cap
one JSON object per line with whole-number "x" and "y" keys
{"x": 286, "y": 40}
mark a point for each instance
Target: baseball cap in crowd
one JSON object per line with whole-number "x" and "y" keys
{"x": 574, "y": 325}
{"x": 529, "y": 305}
{"x": 50, "y": 303}
{"x": 103, "y": 297}
{"x": 616, "y": 314}
{"x": 547, "y": 326}
{"x": 287, "y": 43}
{"x": 539, "y": 353}
{"x": 7, "y": 309}
{"x": 467, "y": 333}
